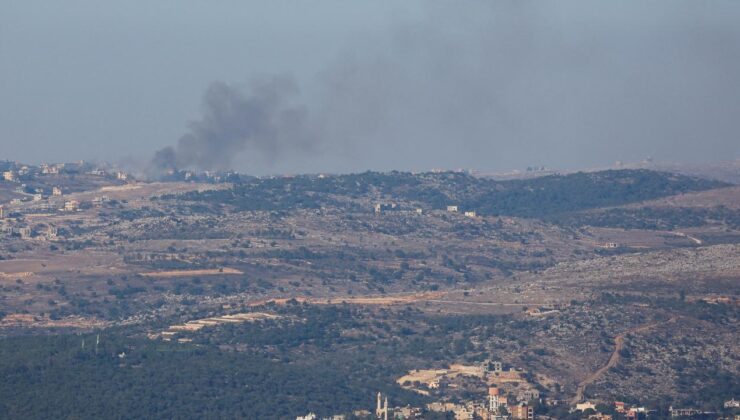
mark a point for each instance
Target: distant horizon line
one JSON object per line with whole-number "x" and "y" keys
{"x": 533, "y": 169}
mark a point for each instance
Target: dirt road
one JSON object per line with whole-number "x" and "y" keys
{"x": 613, "y": 360}
{"x": 188, "y": 273}
{"x": 401, "y": 298}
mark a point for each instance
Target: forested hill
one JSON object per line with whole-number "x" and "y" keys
{"x": 538, "y": 198}
{"x": 550, "y": 195}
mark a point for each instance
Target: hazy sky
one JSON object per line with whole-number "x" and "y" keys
{"x": 491, "y": 85}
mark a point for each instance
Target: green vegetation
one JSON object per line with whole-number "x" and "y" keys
{"x": 654, "y": 218}
{"x": 538, "y": 197}
{"x": 327, "y": 360}
{"x": 56, "y": 377}
{"x": 551, "y": 195}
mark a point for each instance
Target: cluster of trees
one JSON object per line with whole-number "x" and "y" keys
{"x": 654, "y": 218}
{"x": 556, "y": 194}
{"x": 124, "y": 377}
{"x": 302, "y": 363}
{"x": 538, "y": 198}
{"x": 717, "y": 313}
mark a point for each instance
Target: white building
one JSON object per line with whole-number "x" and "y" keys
{"x": 71, "y": 205}
{"x": 585, "y": 406}
{"x": 49, "y": 169}
{"x": 98, "y": 201}
{"x": 494, "y": 366}
{"x": 529, "y": 395}
{"x": 383, "y": 207}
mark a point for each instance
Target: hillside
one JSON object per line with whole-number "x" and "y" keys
{"x": 537, "y": 198}
{"x": 200, "y": 289}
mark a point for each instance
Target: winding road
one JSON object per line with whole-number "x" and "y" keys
{"x": 613, "y": 359}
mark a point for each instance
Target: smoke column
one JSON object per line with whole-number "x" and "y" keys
{"x": 263, "y": 122}
{"x": 502, "y": 84}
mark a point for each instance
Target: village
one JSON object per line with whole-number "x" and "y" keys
{"x": 511, "y": 396}
{"x": 500, "y": 406}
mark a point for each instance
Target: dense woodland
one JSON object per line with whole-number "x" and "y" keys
{"x": 323, "y": 359}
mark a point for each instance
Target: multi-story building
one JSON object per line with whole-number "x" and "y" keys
{"x": 529, "y": 395}
{"x": 521, "y": 411}
{"x": 619, "y": 407}
{"x": 494, "y": 399}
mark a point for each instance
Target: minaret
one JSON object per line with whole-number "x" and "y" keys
{"x": 378, "y": 408}
{"x": 385, "y": 409}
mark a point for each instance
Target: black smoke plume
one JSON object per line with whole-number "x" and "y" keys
{"x": 262, "y": 122}
{"x": 492, "y": 85}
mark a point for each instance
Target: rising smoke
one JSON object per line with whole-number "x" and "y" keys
{"x": 500, "y": 84}
{"x": 263, "y": 121}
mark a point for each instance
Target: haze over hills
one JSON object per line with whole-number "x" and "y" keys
{"x": 384, "y": 85}
{"x": 480, "y": 210}
{"x": 224, "y": 295}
